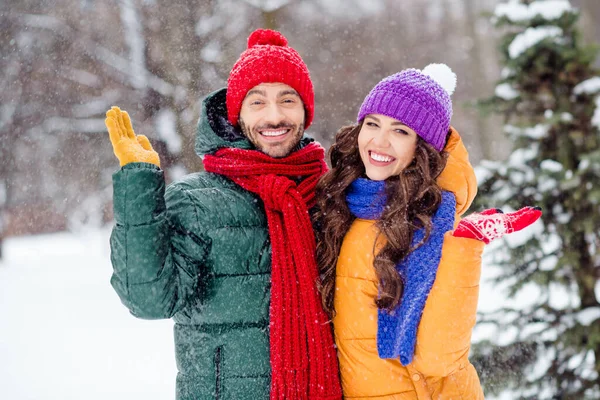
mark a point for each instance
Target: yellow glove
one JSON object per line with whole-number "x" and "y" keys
{"x": 127, "y": 146}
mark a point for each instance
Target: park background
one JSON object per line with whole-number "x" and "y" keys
{"x": 63, "y": 63}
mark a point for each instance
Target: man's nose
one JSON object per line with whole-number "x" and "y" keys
{"x": 274, "y": 114}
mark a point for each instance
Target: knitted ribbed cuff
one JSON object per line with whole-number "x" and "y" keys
{"x": 409, "y": 112}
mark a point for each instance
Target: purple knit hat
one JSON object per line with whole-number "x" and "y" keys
{"x": 419, "y": 99}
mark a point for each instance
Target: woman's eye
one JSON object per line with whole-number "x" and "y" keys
{"x": 372, "y": 124}
{"x": 402, "y": 131}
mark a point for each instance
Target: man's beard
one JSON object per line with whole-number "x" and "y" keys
{"x": 279, "y": 151}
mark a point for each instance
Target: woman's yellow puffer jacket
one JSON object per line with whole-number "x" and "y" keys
{"x": 440, "y": 368}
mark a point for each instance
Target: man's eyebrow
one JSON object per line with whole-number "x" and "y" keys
{"x": 256, "y": 91}
{"x": 288, "y": 92}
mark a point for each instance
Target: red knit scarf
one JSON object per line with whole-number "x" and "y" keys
{"x": 303, "y": 358}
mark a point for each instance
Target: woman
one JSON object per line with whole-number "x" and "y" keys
{"x": 400, "y": 270}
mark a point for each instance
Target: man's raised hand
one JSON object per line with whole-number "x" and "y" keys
{"x": 128, "y": 146}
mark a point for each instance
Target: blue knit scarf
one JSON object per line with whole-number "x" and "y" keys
{"x": 397, "y": 330}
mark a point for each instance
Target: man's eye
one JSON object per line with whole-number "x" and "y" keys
{"x": 256, "y": 102}
{"x": 289, "y": 101}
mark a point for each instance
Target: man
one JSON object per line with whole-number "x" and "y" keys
{"x": 229, "y": 253}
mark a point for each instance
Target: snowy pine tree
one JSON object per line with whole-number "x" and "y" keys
{"x": 545, "y": 342}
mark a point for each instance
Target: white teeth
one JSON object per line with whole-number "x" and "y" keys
{"x": 381, "y": 157}
{"x": 273, "y": 133}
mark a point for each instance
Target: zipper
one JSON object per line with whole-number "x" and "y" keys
{"x": 218, "y": 378}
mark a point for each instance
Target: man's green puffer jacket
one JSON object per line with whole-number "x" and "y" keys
{"x": 199, "y": 252}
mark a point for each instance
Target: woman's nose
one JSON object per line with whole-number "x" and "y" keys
{"x": 382, "y": 139}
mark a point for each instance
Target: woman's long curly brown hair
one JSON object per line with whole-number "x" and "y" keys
{"x": 413, "y": 197}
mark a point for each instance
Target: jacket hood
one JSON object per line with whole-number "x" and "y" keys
{"x": 215, "y": 132}
{"x": 458, "y": 176}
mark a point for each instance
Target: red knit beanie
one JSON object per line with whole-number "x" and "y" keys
{"x": 268, "y": 59}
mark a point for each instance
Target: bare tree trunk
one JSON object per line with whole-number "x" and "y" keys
{"x": 11, "y": 93}
{"x": 134, "y": 37}
{"x": 590, "y": 15}
{"x": 270, "y": 19}
{"x": 196, "y": 86}
{"x": 477, "y": 79}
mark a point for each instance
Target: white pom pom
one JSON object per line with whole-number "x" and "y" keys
{"x": 442, "y": 74}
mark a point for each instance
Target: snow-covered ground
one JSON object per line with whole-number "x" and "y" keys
{"x": 64, "y": 333}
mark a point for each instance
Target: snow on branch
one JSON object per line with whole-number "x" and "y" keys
{"x": 166, "y": 126}
{"x": 596, "y": 116}
{"x": 44, "y": 22}
{"x": 589, "y": 86}
{"x": 505, "y": 91}
{"x": 87, "y": 125}
{"x": 268, "y": 5}
{"x": 80, "y": 76}
{"x": 96, "y": 105}
{"x": 96, "y": 51}
{"x": 531, "y": 37}
{"x": 515, "y": 11}
{"x": 536, "y": 132}
{"x": 123, "y": 65}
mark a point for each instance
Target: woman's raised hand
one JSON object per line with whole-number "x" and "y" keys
{"x": 493, "y": 223}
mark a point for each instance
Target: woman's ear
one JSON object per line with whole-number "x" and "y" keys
{"x": 448, "y": 137}
{"x": 458, "y": 176}
{"x": 452, "y": 138}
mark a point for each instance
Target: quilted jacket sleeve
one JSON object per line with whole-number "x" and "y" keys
{"x": 156, "y": 250}
{"x": 444, "y": 333}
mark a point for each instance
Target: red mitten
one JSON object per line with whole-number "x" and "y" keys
{"x": 493, "y": 223}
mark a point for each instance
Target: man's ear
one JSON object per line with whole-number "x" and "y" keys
{"x": 305, "y": 114}
{"x": 230, "y": 132}
{"x": 239, "y": 127}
